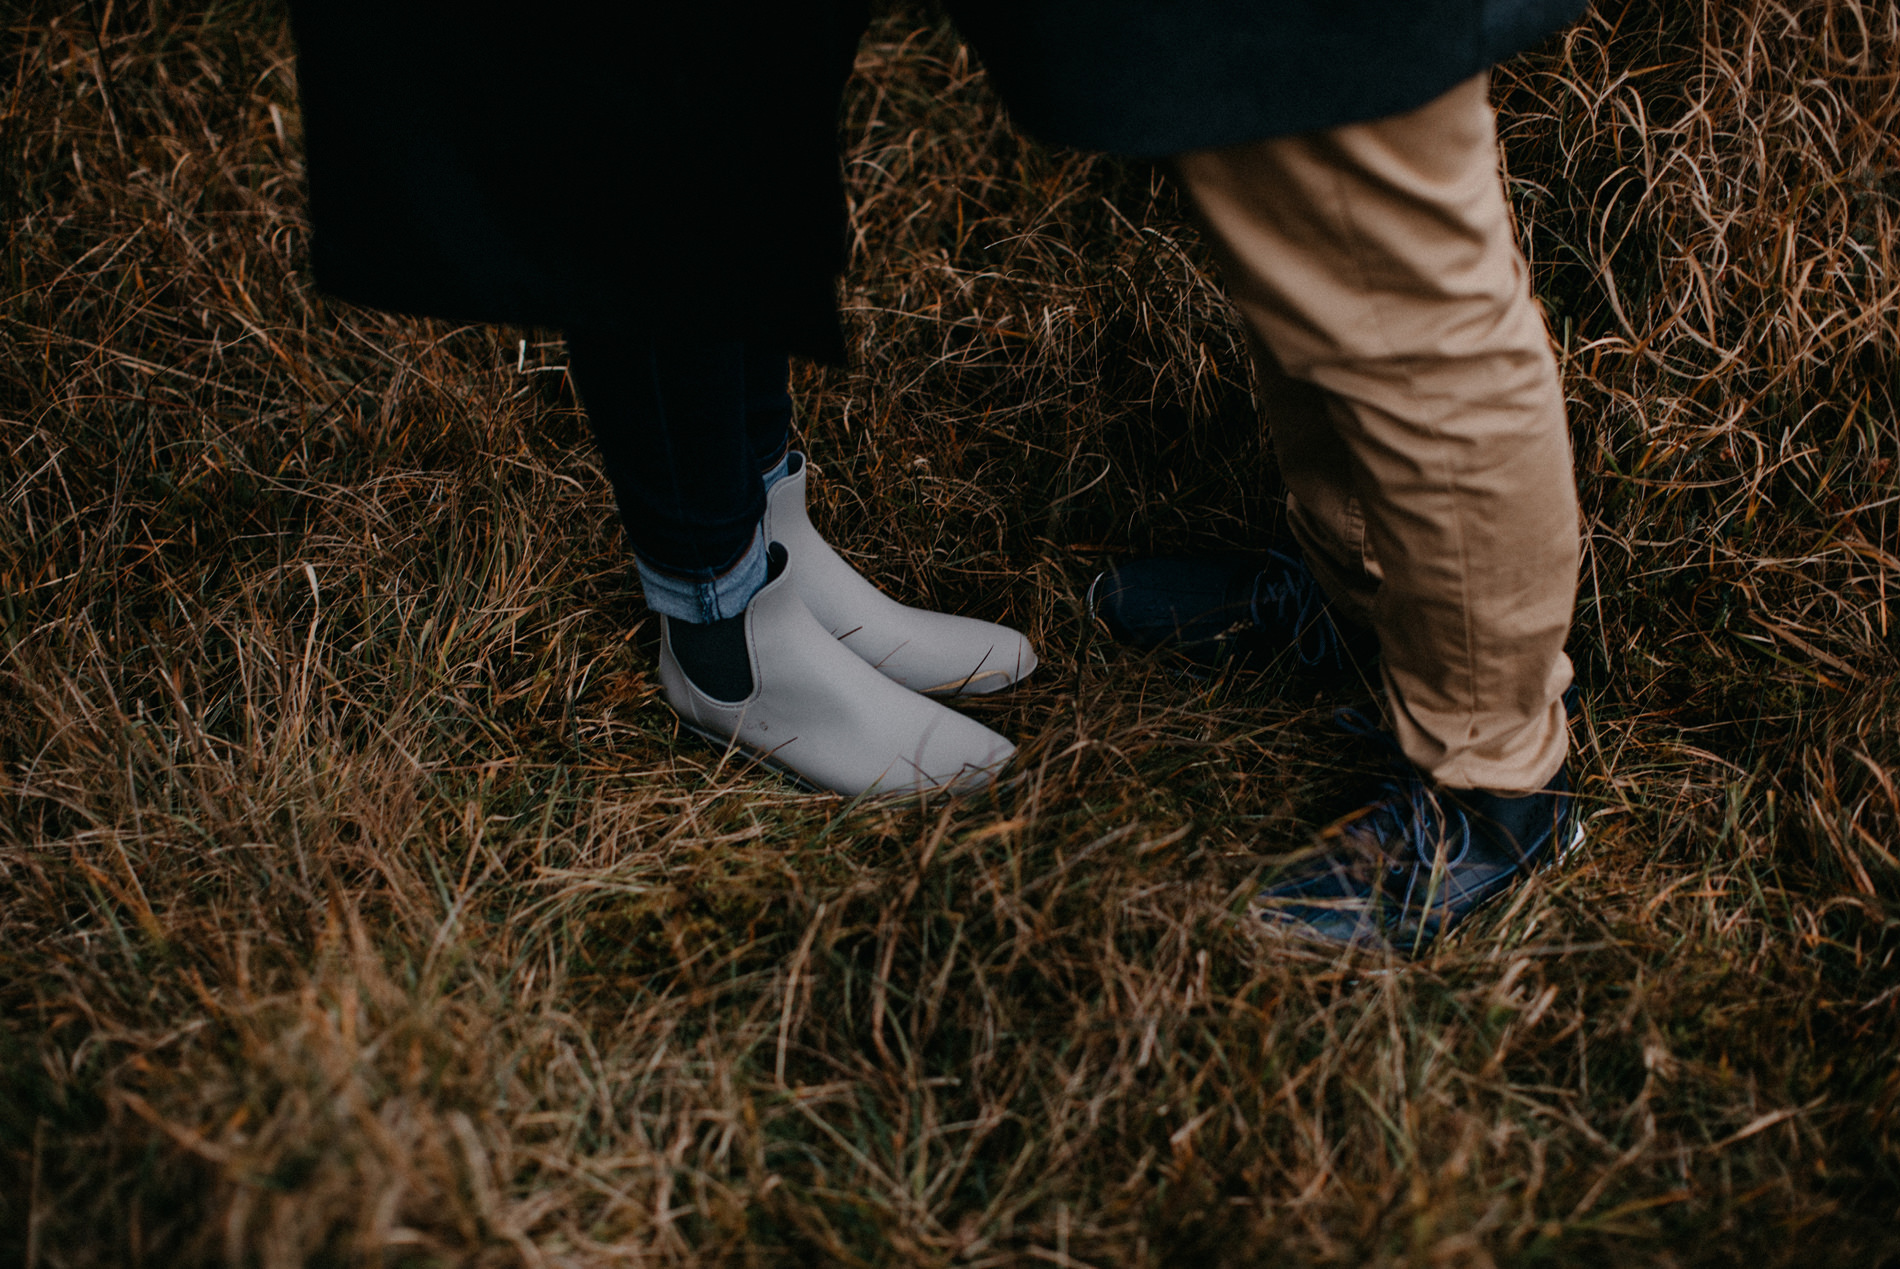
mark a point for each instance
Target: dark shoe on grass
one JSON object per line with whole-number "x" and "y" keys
{"x": 1231, "y": 610}
{"x": 1409, "y": 866}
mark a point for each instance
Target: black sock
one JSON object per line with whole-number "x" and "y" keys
{"x": 713, "y": 653}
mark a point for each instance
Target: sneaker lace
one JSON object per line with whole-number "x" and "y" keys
{"x": 1404, "y": 804}
{"x": 1297, "y": 600}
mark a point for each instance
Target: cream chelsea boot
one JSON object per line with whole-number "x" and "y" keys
{"x": 929, "y": 652}
{"x": 820, "y": 713}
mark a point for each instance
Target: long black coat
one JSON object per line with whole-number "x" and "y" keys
{"x": 650, "y": 169}
{"x": 671, "y": 169}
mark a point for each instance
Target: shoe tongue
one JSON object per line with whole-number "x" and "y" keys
{"x": 1413, "y": 825}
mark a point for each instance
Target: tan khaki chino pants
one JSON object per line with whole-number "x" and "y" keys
{"x": 1415, "y": 404}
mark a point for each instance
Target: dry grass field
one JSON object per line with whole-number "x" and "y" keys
{"x": 360, "y": 903}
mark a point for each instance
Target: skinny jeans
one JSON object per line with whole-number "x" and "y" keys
{"x": 692, "y": 434}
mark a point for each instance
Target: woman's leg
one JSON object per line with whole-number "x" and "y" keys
{"x": 691, "y": 434}
{"x": 676, "y": 431}
{"x": 768, "y": 411}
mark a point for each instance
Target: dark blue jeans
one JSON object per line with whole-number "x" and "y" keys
{"x": 692, "y": 433}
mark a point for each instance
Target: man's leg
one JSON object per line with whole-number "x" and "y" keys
{"x": 1376, "y": 266}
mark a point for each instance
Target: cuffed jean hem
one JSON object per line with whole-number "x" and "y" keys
{"x": 705, "y": 597}
{"x": 775, "y": 474}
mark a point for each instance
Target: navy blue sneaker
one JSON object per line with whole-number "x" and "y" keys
{"x": 1231, "y": 610}
{"x": 1409, "y": 866}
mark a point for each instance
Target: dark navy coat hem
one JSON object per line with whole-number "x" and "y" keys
{"x": 1148, "y": 78}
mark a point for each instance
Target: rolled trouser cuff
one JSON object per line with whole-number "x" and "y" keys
{"x": 702, "y": 595}
{"x": 779, "y": 470}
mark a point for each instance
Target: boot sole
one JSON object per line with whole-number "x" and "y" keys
{"x": 765, "y": 759}
{"x": 963, "y": 687}
{"x": 761, "y": 757}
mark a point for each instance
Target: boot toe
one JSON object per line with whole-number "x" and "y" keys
{"x": 942, "y": 655}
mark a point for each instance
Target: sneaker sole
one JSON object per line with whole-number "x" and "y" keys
{"x": 1564, "y": 852}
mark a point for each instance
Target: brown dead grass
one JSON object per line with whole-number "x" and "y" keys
{"x": 359, "y": 903}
